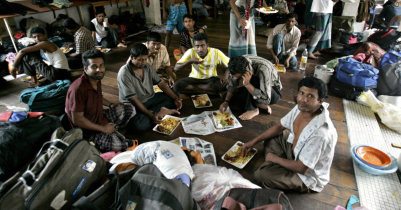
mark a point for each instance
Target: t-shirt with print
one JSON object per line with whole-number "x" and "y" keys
{"x": 315, "y": 146}
{"x": 206, "y": 69}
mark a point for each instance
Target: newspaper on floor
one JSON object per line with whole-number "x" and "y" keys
{"x": 205, "y": 148}
{"x": 203, "y": 124}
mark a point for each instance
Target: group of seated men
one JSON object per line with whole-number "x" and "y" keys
{"x": 298, "y": 150}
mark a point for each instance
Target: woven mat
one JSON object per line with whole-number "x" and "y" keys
{"x": 375, "y": 192}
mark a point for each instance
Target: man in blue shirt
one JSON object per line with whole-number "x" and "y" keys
{"x": 389, "y": 12}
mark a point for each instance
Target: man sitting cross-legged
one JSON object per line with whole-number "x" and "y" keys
{"x": 254, "y": 84}
{"x": 106, "y": 36}
{"x": 283, "y": 43}
{"x": 84, "y": 107}
{"x": 203, "y": 77}
{"x": 300, "y": 148}
{"x": 135, "y": 83}
{"x": 29, "y": 61}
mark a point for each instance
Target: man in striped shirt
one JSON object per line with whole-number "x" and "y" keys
{"x": 82, "y": 40}
{"x": 203, "y": 77}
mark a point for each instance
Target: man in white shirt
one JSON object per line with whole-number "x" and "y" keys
{"x": 300, "y": 148}
{"x": 283, "y": 42}
{"x": 104, "y": 33}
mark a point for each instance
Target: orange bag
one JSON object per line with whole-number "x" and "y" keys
{"x": 195, "y": 155}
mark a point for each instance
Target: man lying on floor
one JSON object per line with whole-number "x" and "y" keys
{"x": 135, "y": 83}
{"x": 105, "y": 36}
{"x": 255, "y": 83}
{"x": 84, "y": 107}
{"x": 29, "y": 61}
{"x": 299, "y": 149}
{"x": 203, "y": 77}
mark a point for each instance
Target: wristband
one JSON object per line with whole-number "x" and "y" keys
{"x": 110, "y": 105}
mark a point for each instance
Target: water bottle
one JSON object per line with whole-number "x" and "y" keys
{"x": 302, "y": 65}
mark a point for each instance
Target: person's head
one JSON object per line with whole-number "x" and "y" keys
{"x": 201, "y": 43}
{"x": 291, "y": 20}
{"x": 38, "y": 34}
{"x": 139, "y": 54}
{"x": 237, "y": 66}
{"x": 93, "y": 61}
{"x": 188, "y": 21}
{"x": 311, "y": 94}
{"x": 100, "y": 15}
{"x": 70, "y": 25}
{"x": 154, "y": 41}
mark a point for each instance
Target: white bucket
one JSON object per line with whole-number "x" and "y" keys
{"x": 323, "y": 73}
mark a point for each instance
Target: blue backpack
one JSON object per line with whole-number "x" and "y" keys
{"x": 46, "y": 98}
{"x": 355, "y": 73}
{"x": 389, "y": 58}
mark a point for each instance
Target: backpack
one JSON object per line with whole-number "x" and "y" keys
{"x": 389, "y": 82}
{"x": 385, "y": 38}
{"x": 236, "y": 198}
{"x": 21, "y": 138}
{"x": 46, "y": 98}
{"x": 347, "y": 91}
{"x": 66, "y": 168}
{"x": 146, "y": 189}
{"x": 350, "y": 38}
{"x": 355, "y": 73}
{"x": 389, "y": 58}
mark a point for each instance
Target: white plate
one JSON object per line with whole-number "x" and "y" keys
{"x": 157, "y": 89}
{"x": 281, "y": 66}
{"x": 106, "y": 50}
{"x": 202, "y": 106}
{"x": 238, "y": 165}
{"x": 217, "y": 123}
{"x": 155, "y": 128}
{"x": 67, "y": 51}
{"x": 266, "y": 12}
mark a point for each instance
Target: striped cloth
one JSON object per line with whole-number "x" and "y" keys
{"x": 321, "y": 37}
{"x": 83, "y": 40}
{"x": 208, "y": 68}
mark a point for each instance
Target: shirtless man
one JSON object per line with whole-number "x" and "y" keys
{"x": 28, "y": 60}
{"x": 300, "y": 148}
{"x": 175, "y": 18}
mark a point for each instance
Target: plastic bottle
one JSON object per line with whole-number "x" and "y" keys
{"x": 302, "y": 65}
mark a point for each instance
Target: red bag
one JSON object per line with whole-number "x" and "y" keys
{"x": 19, "y": 35}
{"x": 121, "y": 33}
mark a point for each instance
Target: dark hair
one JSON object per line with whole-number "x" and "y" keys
{"x": 237, "y": 64}
{"x": 315, "y": 83}
{"x": 91, "y": 54}
{"x": 188, "y": 16}
{"x": 38, "y": 30}
{"x": 154, "y": 36}
{"x": 100, "y": 10}
{"x": 70, "y": 23}
{"x": 138, "y": 50}
{"x": 292, "y": 15}
{"x": 201, "y": 36}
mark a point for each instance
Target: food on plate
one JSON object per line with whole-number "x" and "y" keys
{"x": 223, "y": 119}
{"x": 201, "y": 100}
{"x": 65, "y": 50}
{"x": 168, "y": 125}
{"x": 266, "y": 9}
{"x": 157, "y": 89}
{"x": 103, "y": 50}
{"x": 279, "y": 67}
{"x": 234, "y": 155}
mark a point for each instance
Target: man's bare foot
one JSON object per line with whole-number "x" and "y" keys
{"x": 317, "y": 53}
{"x": 311, "y": 56}
{"x": 121, "y": 45}
{"x": 164, "y": 111}
{"x": 249, "y": 114}
{"x": 265, "y": 107}
{"x": 207, "y": 7}
{"x": 33, "y": 84}
{"x": 208, "y": 18}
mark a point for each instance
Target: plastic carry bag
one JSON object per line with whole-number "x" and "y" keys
{"x": 212, "y": 182}
{"x": 389, "y": 114}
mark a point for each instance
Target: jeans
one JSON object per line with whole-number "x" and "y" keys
{"x": 279, "y": 48}
{"x": 198, "y": 4}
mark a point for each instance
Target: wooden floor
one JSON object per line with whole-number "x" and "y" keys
{"x": 342, "y": 179}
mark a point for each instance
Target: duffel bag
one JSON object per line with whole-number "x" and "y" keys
{"x": 22, "y": 139}
{"x": 389, "y": 58}
{"x": 385, "y": 38}
{"x": 347, "y": 91}
{"x": 241, "y": 198}
{"x": 148, "y": 189}
{"x": 355, "y": 73}
{"x": 67, "y": 168}
{"x": 46, "y": 98}
{"x": 389, "y": 82}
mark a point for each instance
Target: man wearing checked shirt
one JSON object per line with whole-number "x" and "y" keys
{"x": 203, "y": 77}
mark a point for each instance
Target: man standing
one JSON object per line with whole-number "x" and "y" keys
{"x": 321, "y": 37}
{"x": 254, "y": 84}
{"x": 82, "y": 40}
{"x": 28, "y": 60}
{"x": 106, "y": 36}
{"x": 300, "y": 148}
{"x": 175, "y": 17}
{"x": 84, "y": 107}
{"x": 203, "y": 77}
{"x": 135, "y": 83}
{"x": 283, "y": 42}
